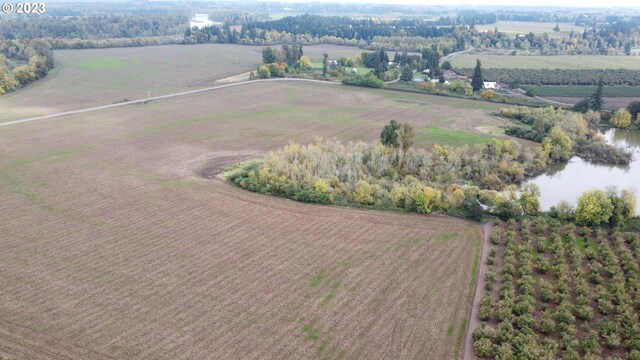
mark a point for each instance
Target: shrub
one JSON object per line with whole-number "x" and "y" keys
{"x": 546, "y": 324}
{"x": 612, "y": 340}
{"x": 546, "y": 291}
{"x": 483, "y": 332}
{"x": 504, "y": 332}
{"x": 485, "y": 307}
{"x": 263, "y": 72}
{"x": 562, "y": 211}
{"x": 634, "y": 108}
{"x": 483, "y": 347}
{"x": 571, "y": 354}
{"x": 504, "y": 352}
{"x": 487, "y": 94}
{"x": 368, "y": 80}
{"x": 495, "y": 237}
{"x": 490, "y": 278}
{"x": 427, "y": 199}
{"x": 508, "y": 209}
{"x": 584, "y": 312}
{"x": 621, "y": 119}
{"x": 581, "y": 106}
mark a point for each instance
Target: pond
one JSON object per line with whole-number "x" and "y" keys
{"x": 568, "y": 181}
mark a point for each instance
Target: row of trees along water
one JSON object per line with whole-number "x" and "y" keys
{"x": 393, "y": 174}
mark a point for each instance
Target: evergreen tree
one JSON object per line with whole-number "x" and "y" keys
{"x": 407, "y": 73}
{"x": 595, "y": 102}
{"x": 556, "y": 28}
{"x": 382, "y": 63}
{"x": 477, "y": 80}
{"x": 325, "y": 58}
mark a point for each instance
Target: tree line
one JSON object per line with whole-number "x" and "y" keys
{"x": 22, "y": 62}
{"x": 415, "y": 34}
{"x": 563, "y": 134}
{"x": 94, "y": 27}
{"x": 517, "y": 77}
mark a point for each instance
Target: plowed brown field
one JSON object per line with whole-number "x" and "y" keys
{"x": 92, "y": 77}
{"x": 112, "y": 244}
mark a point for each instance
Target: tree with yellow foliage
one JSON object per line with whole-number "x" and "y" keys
{"x": 594, "y": 208}
{"x": 621, "y": 118}
{"x": 426, "y": 199}
{"x": 487, "y": 94}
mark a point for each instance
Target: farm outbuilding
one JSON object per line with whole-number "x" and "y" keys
{"x": 489, "y": 85}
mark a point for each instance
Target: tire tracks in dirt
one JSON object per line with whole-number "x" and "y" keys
{"x": 474, "y": 319}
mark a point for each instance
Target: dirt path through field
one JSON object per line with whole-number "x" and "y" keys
{"x": 142, "y": 101}
{"x": 474, "y": 320}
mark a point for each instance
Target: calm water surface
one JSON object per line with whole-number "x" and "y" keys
{"x": 568, "y": 181}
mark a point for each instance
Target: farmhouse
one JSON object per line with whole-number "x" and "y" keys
{"x": 489, "y": 85}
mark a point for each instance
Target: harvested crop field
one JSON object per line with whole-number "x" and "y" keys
{"x": 86, "y": 78}
{"x": 114, "y": 246}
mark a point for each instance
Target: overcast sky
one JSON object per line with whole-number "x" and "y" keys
{"x": 556, "y": 3}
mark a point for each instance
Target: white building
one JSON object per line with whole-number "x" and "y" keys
{"x": 488, "y": 85}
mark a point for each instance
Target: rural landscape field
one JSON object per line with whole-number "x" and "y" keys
{"x": 314, "y": 181}
{"x": 132, "y": 210}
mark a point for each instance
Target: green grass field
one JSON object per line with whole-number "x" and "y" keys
{"x": 584, "y": 91}
{"x": 547, "y": 62}
{"x": 452, "y": 138}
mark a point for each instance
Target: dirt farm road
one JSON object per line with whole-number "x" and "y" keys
{"x": 474, "y": 320}
{"x": 141, "y": 101}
